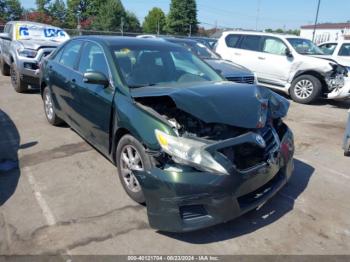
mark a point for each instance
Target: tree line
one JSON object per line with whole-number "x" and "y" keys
{"x": 105, "y": 15}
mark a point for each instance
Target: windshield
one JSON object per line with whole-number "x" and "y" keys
{"x": 141, "y": 66}
{"x": 305, "y": 46}
{"x": 40, "y": 32}
{"x": 328, "y": 49}
{"x": 200, "y": 50}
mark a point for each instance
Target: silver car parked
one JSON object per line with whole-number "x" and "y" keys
{"x": 23, "y": 44}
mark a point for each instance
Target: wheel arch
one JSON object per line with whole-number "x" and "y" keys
{"x": 313, "y": 73}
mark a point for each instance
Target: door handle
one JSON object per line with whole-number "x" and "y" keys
{"x": 262, "y": 58}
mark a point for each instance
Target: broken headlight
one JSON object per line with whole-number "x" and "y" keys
{"x": 189, "y": 151}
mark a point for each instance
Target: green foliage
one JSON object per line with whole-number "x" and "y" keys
{"x": 57, "y": 10}
{"x": 84, "y": 9}
{"x": 132, "y": 23}
{"x": 154, "y": 21}
{"x": 182, "y": 18}
{"x": 110, "y": 16}
{"x": 281, "y": 31}
{"x": 42, "y": 6}
{"x": 13, "y": 10}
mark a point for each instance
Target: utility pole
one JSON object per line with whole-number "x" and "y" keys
{"x": 122, "y": 25}
{"x": 190, "y": 30}
{"x": 78, "y": 23}
{"x": 257, "y": 15}
{"x": 158, "y": 27}
{"x": 316, "y": 19}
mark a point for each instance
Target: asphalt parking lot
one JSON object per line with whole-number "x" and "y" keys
{"x": 64, "y": 197}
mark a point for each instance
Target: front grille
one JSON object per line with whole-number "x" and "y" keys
{"x": 270, "y": 139}
{"x": 248, "y": 155}
{"x": 242, "y": 79}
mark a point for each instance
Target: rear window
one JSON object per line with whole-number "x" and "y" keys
{"x": 329, "y": 48}
{"x": 251, "y": 42}
{"x": 232, "y": 40}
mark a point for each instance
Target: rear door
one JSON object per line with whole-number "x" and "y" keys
{"x": 273, "y": 65}
{"x": 93, "y": 102}
{"x": 249, "y": 51}
{"x": 63, "y": 74}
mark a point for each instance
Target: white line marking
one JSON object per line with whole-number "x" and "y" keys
{"x": 49, "y": 217}
{"x": 324, "y": 167}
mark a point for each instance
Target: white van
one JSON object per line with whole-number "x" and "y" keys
{"x": 287, "y": 63}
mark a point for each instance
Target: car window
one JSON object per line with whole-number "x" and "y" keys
{"x": 328, "y": 48}
{"x": 10, "y": 30}
{"x": 344, "y": 50}
{"x": 70, "y": 54}
{"x": 93, "y": 59}
{"x": 251, "y": 42}
{"x": 232, "y": 40}
{"x": 274, "y": 46}
{"x": 143, "y": 66}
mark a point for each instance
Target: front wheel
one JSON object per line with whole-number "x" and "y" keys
{"x": 305, "y": 89}
{"x": 49, "y": 109}
{"x": 18, "y": 84}
{"x": 130, "y": 157}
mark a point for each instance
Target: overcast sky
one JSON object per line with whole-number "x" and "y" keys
{"x": 242, "y": 14}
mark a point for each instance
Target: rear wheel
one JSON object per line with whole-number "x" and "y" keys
{"x": 305, "y": 89}
{"x": 4, "y": 68}
{"x": 49, "y": 109}
{"x": 18, "y": 84}
{"x": 131, "y": 156}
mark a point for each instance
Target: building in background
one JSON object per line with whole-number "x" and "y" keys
{"x": 326, "y": 32}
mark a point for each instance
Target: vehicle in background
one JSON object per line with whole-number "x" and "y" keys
{"x": 231, "y": 71}
{"x": 338, "y": 51}
{"x": 286, "y": 63}
{"x": 146, "y": 36}
{"x": 209, "y": 42}
{"x": 23, "y": 45}
{"x": 346, "y": 144}
{"x": 196, "y": 149}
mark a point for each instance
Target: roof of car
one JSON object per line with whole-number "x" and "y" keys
{"x": 183, "y": 40}
{"x": 260, "y": 33}
{"x": 120, "y": 40}
{"x": 29, "y": 22}
{"x": 336, "y": 42}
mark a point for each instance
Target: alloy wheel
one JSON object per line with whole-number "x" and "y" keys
{"x": 48, "y": 105}
{"x": 303, "y": 89}
{"x": 131, "y": 161}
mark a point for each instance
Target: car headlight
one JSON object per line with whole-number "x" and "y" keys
{"x": 189, "y": 151}
{"x": 27, "y": 52}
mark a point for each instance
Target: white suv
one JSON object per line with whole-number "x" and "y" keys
{"x": 286, "y": 63}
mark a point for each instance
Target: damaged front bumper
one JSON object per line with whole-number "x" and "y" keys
{"x": 341, "y": 93}
{"x": 179, "y": 201}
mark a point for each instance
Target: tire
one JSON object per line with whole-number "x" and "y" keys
{"x": 4, "y": 68}
{"x": 305, "y": 89}
{"x": 49, "y": 109}
{"x": 125, "y": 173}
{"x": 18, "y": 84}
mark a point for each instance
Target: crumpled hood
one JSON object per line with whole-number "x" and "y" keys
{"x": 240, "y": 105}
{"x": 36, "y": 44}
{"x": 228, "y": 69}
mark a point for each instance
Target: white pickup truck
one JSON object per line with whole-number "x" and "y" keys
{"x": 22, "y": 45}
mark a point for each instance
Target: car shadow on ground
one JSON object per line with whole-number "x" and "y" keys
{"x": 274, "y": 209}
{"x": 9, "y": 164}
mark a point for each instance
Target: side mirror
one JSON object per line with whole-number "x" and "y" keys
{"x": 5, "y": 36}
{"x": 289, "y": 53}
{"x": 95, "y": 77}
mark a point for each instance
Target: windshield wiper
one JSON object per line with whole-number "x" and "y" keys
{"x": 139, "y": 86}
